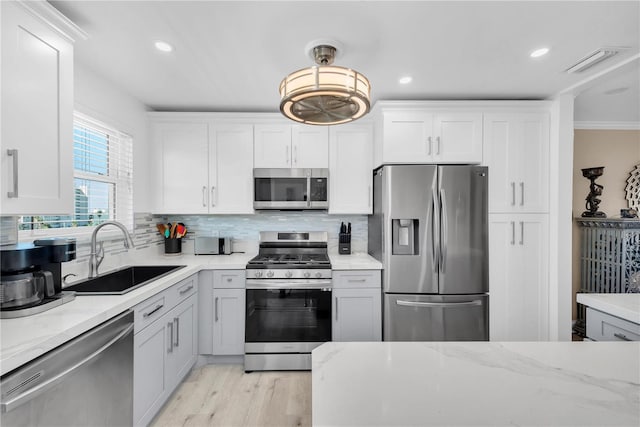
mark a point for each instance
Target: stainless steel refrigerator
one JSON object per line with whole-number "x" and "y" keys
{"x": 429, "y": 228}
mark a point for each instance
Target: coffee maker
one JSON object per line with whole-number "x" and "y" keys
{"x": 31, "y": 276}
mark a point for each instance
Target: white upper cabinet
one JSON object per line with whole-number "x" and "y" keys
{"x": 458, "y": 137}
{"x": 231, "y": 169}
{"x": 516, "y": 150}
{"x": 202, "y": 166}
{"x": 181, "y": 159}
{"x": 406, "y": 137}
{"x": 291, "y": 146}
{"x": 350, "y": 169}
{"x": 428, "y": 135}
{"x": 37, "y": 113}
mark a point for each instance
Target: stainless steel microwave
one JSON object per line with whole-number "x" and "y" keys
{"x": 295, "y": 189}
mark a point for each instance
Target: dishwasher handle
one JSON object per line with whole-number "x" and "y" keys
{"x": 10, "y": 404}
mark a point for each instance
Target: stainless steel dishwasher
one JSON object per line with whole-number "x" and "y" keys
{"x": 87, "y": 381}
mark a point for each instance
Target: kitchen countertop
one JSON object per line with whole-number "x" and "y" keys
{"x": 25, "y": 338}
{"x": 355, "y": 261}
{"x": 476, "y": 383}
{"x": 624, "y": 306}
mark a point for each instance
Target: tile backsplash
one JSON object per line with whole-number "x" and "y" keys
{"x": 245, "y": 229}
{"x": 8, "y": 230}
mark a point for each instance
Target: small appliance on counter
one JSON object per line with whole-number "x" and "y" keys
{"x": 207, "y": 245}
{"x": 30, "y": 276}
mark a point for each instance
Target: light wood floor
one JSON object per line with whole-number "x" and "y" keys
{"x": 223, "y": 395}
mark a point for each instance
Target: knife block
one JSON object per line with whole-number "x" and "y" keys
{"x": 344, "y": 244}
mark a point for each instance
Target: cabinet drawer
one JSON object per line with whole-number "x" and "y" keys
{"x": 228, "y": 279}
{"x": 183, "y": 289}
{"x": 150, "y": 310}
{"x": 350, "y": 279}
{"x": 605, "y": 327}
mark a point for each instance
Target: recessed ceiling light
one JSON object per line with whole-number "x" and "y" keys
{"x": 405, "y": 80}
{"x": 163, "y": 46}
{"x": 539, "y": 52}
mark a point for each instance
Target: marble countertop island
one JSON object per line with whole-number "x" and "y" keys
{"x": 476, "y": 383}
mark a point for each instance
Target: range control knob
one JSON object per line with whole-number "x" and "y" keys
{"x": 269, "y": 273}
{"x": 307, "y": 274}
{"x": 258, "y": 273}
{"x": 288, "y": 274}
{"x": 318, "y": 275}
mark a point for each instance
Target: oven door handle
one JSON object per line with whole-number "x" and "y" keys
{"x": 277, "y": 284}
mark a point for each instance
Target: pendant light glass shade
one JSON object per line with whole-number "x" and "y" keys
{"x": 325, "y": 94}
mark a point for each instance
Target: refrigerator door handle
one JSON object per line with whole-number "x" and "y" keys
{"x": 404, "y": 303}
{"x": 443, "y": 231}
{"x": 435, "y": 241}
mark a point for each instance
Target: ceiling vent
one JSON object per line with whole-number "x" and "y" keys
{"x": 594, "y": 58}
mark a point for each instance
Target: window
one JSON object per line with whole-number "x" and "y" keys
{"x": 103, "y": 169}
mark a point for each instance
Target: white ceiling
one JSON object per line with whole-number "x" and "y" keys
{"x": 231, "y": 56}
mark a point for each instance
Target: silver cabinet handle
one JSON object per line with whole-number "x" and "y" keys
{"x": 185, "y": 290}
{"x": 176, "y": 321}
{"x": 513, "y": 194}
{"x": 430, "y": 142}
{"x": 13, "y": 152}
{"x": 22, "y": 398}
{"x": 170, "y": 330}
{"x": 623, "y": 337}
{"x": 443, "y": 231}
{"x": 522, "y": 194}
{"x": 356, "y": 280}
{"x": 513, "y": 233}
{"x": 213, "y": 187}
{"x": 204, "y": 194}
{"x": 286, "y": 156}
{"x": 336, "y": 308}
{"x": 438, "y": 304}
{"x": 521, "y": 233}
{"x": 438, "y": 141}
{"x": 149, "y": 313}
{"x": 295, "y": 154}
{"x": 215, "y": 308}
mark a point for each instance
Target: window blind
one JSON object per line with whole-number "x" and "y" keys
{"x": 103, "y": 178}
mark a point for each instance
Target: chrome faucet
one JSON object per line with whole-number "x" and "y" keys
{"x": 97, "y": 255}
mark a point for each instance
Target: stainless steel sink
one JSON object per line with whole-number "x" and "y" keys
{"x": 121, "y": 281}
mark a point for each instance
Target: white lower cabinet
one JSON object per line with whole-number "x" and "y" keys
{"x": 222, "y": 312}
{"x": 518, "y": 277}
{"x": 357, "y": 306}
{"x": 606, "y": 327}
{"x": 165, "y": 347}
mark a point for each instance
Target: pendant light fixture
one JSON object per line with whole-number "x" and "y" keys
{"x": 325, "y": 94}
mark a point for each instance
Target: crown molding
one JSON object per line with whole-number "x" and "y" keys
{"x": 607, "y": 125}
{"x": 51, "y": 16}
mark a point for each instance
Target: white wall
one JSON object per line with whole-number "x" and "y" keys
{"x": 106, "y": 102}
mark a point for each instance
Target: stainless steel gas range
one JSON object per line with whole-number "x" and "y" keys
{"x": 288, "y": 310}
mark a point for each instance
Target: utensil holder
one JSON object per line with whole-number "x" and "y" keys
{"x": 344, "y": 244}
{"x": 172, "y": 246}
